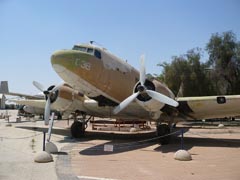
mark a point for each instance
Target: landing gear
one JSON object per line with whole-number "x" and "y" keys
{"x": 162, "y": 130}
{"x": 77, "y": 129}
{"x": 79, "y": 125}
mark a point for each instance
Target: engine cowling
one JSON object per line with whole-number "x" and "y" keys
{"x": 57, "y": 97}
{"x": 62, "y": 98}
{"x": 151, "y": 95}
{"x": 147, "y": 102}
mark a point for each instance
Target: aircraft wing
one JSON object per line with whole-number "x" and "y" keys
{"x": 29, "y": 102}
{"x": 208, "y": 107}
{"x": 27, "y": 96}
{"x": 5, "y": 90}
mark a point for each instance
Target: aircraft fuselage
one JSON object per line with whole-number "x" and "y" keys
{"x": 98, "y": 74}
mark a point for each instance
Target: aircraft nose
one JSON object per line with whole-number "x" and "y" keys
{"x": 58, "y": 60}
{"x": 58, "y": 56}
{"x": 70, "y": 60}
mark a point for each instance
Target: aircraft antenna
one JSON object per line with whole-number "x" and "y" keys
{"x": 98, "y": 44}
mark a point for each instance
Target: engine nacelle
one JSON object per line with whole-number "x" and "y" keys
{"x": 149, "y": 103}
{"x": 62, "y": 98}
{"x": 67, "y": 99}
{"x": 33, "y": 110}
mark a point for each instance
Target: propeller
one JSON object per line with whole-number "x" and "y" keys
{"x": 50, "y": 127}
{"x": 141, "y": 89}
{"x": 48, "y": 94}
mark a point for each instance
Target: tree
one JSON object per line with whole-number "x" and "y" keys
{"x": 219, "y": 75}
{"x": 189, "y": 71}
{"x": 224, "y": 58}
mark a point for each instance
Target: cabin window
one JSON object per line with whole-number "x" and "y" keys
{"x": 97, "y": 54}
{"x": 221, "y": 100}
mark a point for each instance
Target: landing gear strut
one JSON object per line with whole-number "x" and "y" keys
{"x": 162, "y": 130}
{"x": 79, "y": 125}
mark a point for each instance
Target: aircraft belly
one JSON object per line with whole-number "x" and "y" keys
{"x": 130, "y": 113}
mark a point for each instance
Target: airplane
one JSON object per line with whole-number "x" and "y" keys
{"x": 35, "y": 104}
{"x": 5, "y": 90}
{"x": 107, "y": 86}
{"x": 60, "y": 98}
{"x": 28, "y": 109}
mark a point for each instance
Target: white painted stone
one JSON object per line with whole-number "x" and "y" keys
{"x": 182, "y": 155}
{"x": 220, "y": 126}
{"x": 133, "y": 129}
{"x": 51, "y": 147}
{"x": 43, "y": 157}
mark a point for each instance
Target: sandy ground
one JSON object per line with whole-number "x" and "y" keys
{"x": 212, "y": 159}
{"x": 18, "y": 147}
{"x": 215, "y": 153}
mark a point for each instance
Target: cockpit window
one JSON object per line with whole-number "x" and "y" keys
{"x": 79, "y": 48}
{"x": 97, "y": 54}
{"x": 90, "y": 50}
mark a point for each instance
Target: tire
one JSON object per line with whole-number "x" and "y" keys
{"x": 162, "y": 130}
{"x": 77, "y": 129}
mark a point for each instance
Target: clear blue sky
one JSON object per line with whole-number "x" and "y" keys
{"x": 30, "y": 31}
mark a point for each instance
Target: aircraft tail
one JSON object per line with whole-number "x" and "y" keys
{"x": 4, "y": 87}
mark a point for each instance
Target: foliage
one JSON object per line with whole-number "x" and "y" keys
{"x": 224, "y": 57}
{"x": 188, "y": 71}
{"x": 219, "y": 75}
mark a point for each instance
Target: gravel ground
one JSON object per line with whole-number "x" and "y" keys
{"x": 215, "y": 153}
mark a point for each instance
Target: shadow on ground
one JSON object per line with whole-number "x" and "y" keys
{"x": 129, "y": 142}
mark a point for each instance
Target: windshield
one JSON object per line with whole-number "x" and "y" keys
{"x": 91, "y": 51}
{"x": 80, "y": 48}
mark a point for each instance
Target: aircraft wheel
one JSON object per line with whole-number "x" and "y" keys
{"x": 163, "y": 129}
{"x": 77, "y": 129}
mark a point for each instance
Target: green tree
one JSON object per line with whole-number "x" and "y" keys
{"x": 224, "y": 58}
{"x": 189, "y": 71}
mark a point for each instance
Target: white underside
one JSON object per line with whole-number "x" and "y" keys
{"x": 78, "y": 83}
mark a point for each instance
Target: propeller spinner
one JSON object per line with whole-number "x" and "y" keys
{"x": 48, "y": 93}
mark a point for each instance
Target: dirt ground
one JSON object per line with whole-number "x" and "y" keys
{"x": 215, "y": 153}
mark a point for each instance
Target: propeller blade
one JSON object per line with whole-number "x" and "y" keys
{"x": 162, "y": 98}
{"x": 47, "y": 111}
{"x": 125, "y": 103}
{"x": 142, "y": 70}
{"x": 38, "y": 86}
{"x": 50, "y": 127}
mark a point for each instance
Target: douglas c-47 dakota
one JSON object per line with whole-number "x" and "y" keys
{"x": 103, "y": 85}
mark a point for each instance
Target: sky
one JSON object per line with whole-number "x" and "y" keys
{"x": 30, "y": 31}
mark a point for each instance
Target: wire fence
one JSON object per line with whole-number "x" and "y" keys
{"x": 25, "y": 137}
{"x": 119, "y": 146}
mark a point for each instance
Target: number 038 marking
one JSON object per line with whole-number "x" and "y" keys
{"x": 83, "y": 64}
